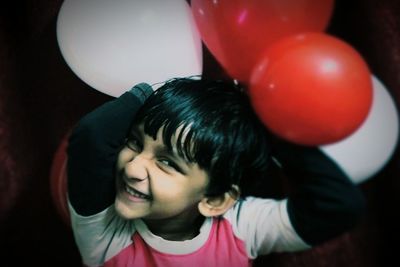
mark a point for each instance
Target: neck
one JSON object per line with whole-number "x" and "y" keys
{"x": 176, "y": 229}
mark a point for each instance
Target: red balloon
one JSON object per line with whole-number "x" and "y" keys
{"x": 58, "y": 181}
{"x": 311, "y": 89}
{"x": 237, "y": 31}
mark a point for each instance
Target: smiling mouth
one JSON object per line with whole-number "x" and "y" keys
{"x": 135, "y": 193}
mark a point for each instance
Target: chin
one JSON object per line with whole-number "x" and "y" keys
{"x": 122, "y": 210}
{"x": 125, "y": 211}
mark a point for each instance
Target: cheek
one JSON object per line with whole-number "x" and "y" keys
{"x": 179, "y": 189}
{"x": 123, "y": 157}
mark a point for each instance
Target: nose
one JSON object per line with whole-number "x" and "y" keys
{"x": 137, "y": 169}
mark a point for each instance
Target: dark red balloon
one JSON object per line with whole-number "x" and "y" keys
{"x": 237, "y": 31}
{"x": 58, "y": 181}
{"x": 311, "y": 89}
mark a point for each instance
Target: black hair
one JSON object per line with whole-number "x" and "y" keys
{"x": 219, "y": 129}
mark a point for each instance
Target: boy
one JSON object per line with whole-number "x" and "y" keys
{"x": 158, "y": 184}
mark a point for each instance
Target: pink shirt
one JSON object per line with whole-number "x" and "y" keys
{"x": 221, "y": 249}
{"x": 254, "y": 226}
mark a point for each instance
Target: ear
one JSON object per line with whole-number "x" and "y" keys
{"x": 215, "y": 206}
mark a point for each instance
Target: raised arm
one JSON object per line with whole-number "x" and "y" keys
{"x": 93, "y": 149}
{"x": 325, "y": 203}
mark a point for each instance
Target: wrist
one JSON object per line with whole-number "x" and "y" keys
{"x": 142, "y": 91}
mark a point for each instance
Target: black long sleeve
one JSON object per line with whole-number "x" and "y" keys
{"x": 325, "y": 202}
{"x": 93, "y": 149}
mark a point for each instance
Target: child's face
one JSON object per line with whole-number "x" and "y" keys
{"x": 154, "y": 183}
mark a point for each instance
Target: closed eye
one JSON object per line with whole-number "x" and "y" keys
{"x": 133, "y": 143}
{"x": 167, "y": 163}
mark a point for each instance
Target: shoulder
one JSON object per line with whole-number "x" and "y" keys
{"x": 101, "y": 236}
{"x": 264, "y": 226}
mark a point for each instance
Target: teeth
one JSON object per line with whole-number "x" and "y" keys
{"x": 135, "y": 193}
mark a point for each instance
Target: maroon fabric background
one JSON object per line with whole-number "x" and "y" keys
{"x": 41, "y": 99}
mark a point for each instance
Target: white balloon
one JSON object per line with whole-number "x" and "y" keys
{"x": 114, "y": 44}
{"x": 365, "y": 152}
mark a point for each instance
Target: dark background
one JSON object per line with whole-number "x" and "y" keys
{"x": 41, "y": 99}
